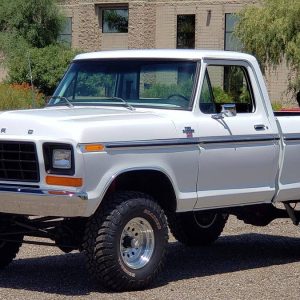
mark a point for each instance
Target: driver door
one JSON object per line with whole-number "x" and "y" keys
{"x": 238, "y": 154}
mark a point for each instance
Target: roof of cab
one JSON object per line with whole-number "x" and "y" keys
{"x": 165, "y": 54}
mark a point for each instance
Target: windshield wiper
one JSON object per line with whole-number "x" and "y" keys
{"x": 68, "y": 103}
{"x": 126, "y": 104}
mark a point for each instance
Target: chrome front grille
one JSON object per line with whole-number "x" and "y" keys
{"x": 18, "y": 161}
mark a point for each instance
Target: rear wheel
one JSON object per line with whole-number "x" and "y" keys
{"x": 197, "y": 228}
{"x": 125, "y": 241}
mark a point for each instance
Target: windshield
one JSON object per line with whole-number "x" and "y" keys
{"x": 137, "y": 83}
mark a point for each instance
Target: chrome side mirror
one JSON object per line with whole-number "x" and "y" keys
{"x": 228, "y": 110}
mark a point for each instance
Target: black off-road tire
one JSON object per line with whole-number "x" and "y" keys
{"x": 197, "y": 228}
{"x": 104, "y": 238}
{"x": 8, "y": 251}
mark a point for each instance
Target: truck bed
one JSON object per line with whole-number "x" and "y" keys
{"x": 289, "y": 176}
{"x": 287, "y": 112}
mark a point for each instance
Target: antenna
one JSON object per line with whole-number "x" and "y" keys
{"x": 31, "y": 80}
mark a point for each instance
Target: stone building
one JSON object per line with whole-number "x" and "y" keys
{"x": 94, "y": 25}
{"x": 201, "y": 24}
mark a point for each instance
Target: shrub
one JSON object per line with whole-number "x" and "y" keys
{"x": 159, "y": 90}
{"x": 19, "y": 96}
{"x": 221, "y": 96}
{"x": 277, "y": 106}
{"x": 31, "y": 29}
{"x": 48, "y": 66}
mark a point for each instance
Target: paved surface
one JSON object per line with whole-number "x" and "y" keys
{"x": 245, "y": 263}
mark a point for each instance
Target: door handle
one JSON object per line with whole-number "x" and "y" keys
{"x": 260, "y": 127}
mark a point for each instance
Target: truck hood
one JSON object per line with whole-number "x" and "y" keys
{"x": 85, "y": 125}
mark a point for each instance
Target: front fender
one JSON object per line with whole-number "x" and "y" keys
{"x": 179, "y": 164}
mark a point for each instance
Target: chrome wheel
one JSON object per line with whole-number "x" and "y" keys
{"x": 137, "y": 243}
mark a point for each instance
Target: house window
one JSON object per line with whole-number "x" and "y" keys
{"x": 185, "y": 32}
{"x": 115, "y": 20}
{"x": 232, "y": 43}
{"x": 65, "y": 35}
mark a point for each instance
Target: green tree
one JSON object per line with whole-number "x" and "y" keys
{"x": 48, "y": 66}
{"x": 29, "y": 30}
{"x": 271, "y": 31}
{"x": 39, "y": 22}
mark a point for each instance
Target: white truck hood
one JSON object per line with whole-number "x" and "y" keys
{"x": 85, "y": 125}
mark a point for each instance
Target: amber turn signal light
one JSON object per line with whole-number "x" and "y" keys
{"x": 93, "y": 148}
{"x": 64, "y": 181}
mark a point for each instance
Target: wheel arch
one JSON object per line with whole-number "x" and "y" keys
{"x": 153, "y": 181}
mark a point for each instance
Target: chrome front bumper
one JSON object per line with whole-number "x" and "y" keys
{"x": 35, "y": 201}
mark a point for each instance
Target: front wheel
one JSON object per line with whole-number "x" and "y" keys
{"x": 125, "y": 241}
{"x": 9, "y": 249}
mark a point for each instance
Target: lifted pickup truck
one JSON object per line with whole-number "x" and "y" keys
{"x": 135, "y": 141}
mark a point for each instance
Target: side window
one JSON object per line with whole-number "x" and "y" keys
{"x": 207, "y": 103}
{"x": 228, "y": 84}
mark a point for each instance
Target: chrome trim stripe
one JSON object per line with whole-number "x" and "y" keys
{"x": 195, "y": 141}
{"x": 153, "y": 143}
{"x": 291, "y": 137}
{"x": 239, "y": 139}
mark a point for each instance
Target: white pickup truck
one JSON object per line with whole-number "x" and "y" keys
{"x": 135, "y": 141}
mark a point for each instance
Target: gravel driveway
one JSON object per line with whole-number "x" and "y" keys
{"x": 245, "y": 263}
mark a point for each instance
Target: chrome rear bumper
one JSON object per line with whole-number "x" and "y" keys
{"x": 35, "y": 201}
